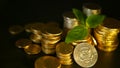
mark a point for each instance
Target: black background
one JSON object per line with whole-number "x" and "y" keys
{"x": 24, "y": 11}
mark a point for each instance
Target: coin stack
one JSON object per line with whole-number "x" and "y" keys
{"x": 106, "y": 34}
{"x": 29, "y": 47}
{"x": 47, "y": 62}
{"x": 51, "y": 36}
{"x": 64, "y": 53}
{"x": 91, "y": 8}
{"x": 90, "y": 39}
{"x": 35, "y": 29}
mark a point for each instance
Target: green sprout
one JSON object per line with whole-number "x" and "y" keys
{"x": 81, "y": 31}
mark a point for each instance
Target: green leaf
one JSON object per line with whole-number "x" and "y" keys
{"x": 94, "y": 20}
{"x": 77, "y": 33}
{"x": 79, "y": 15}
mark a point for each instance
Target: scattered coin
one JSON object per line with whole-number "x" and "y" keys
{"x": 15, "y": 29}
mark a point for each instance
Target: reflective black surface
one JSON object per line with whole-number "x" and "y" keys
{"x": 22, "y": 12}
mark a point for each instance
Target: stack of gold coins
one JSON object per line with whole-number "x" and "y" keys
{"x": 35, "y": 29}
{"x": 91, "y": 8}
{"x": 29, "y": 47}
{"x": 51, "y": 35}
{"x": 47, "y": 62}
{"x": 36, "y": 38}
{"x": 90, "y": 39}
{"x": 106, "y": 34}
{"x": 64, "y": 53}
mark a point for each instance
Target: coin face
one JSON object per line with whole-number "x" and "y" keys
{"x": 32, "y": 49}
{"x": 47, "y": 62}
{"x": 85, "y": 55}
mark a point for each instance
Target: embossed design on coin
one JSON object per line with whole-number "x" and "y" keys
{"x": 85, "y": 55}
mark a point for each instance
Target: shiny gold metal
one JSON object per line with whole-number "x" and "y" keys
{"x": 85, "y": 55}
{"x": 106, "y": 34}
{"x": 64, "y": 49}
{"x": 48, "y": 50}
{"x": 32, "y": 49}
{"x": 37, "y": 27}
{"x": 22, "y": 43}
{"x": 47, "y": 62}
{"x": 28, "y": 27}
{"x": 48, "y": 41}
{"x": 48, "y": 45}
{"x": 15, "y": 29}
{"x": 36, "y": 38}
{"x": 64, "y": 52}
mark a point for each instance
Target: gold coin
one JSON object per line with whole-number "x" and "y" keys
{"x": 36, "y": 38}
{"x": 85, "y": 55}
{"x": 64, "y": 49}
{"x": 53, "y": 31}
{"x": 46, "y": 41}
{"x": 48, "y": 51}
{"x": 28, "y": 27}
{"x": 49, "y": 46}
{"x": 37, "y": 28}
{"x": 47, "y": 62}
{"x": 15, "y": 29}
{"x": 32, "y": 49}
{"x": 22, "y": 43}
{"x": 68, "y": 62}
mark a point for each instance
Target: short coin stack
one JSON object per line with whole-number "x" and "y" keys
{"x": 90, "y": 39}
{"x": 36, "y": 32}
{"x": 107, "y": 34}
{"x": 51, "y": 36}
{"x": 29, "y": 47}
{"x": 64, "y": 53}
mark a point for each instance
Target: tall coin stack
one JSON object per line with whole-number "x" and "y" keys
{"x": 64, "y": 52}
{"x": 107, "y": 34}
{"x": 51, "y": 36}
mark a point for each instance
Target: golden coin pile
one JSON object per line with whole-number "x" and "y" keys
{"x": 29, "y": 47}
{"x": 106, "y": 34}
{"x": 64, "y": 53}
{"x": 35, "y": 29}
{"x": 47, "y": 62}
{"x": 51, "y": 36}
